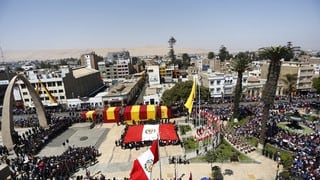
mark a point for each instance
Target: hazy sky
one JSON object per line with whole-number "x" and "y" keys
{"x": 236, "y": 24}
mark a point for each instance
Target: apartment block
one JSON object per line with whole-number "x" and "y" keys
{"x": 63, "y": 84}
{"x": 304, "y": 70}
{"x": 90, "y": 60}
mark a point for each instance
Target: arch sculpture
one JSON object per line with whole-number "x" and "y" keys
{"x": 7, "y": 117}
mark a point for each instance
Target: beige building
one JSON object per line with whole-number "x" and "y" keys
{"x": 117, "y": 65}
{"x": 90, "y": 60}
{"x": 213, "y": 64}
{"x": 125, "y": 92}
{"x": 168, "y": 72}
{"x": 82, "y": 82}
{"x": 304, "y": 72}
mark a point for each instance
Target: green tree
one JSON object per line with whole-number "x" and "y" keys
{"x": 143, "y": 63}
{"x": 211, "y": 157}
{"x": 172, "y": 41}
{"x": 185, "y": 60}
{"x": 45, "y": 64}
{"x": 223, "y": 54}
{"x": 275, "y": 54}
{"x": 316, "y": 84}
{"x": 178, "y": 62}
{"x": 63, "y": 62}
{"x": 240, "y": 64}
{"x": 290, "y": 81}
{"x": 211, "y": 55}
{"x": 181, "y": 91}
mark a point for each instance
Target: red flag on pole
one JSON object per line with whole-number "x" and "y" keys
{"x": 142, "y": 166}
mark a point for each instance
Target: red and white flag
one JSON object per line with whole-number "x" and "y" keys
{"x": 142, "y": 167}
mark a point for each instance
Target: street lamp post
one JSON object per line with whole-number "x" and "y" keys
{"x": 278, "y": 165}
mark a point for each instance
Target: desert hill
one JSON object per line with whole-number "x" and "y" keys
{"x": 76, "y": 53}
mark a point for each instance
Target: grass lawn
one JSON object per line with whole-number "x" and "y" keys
{"x": 223, "y": 153}
{"x": 253, "y": 141}
{"x": 239, "y": 123}
{"x": 304, "y": 130}
{"x": 183, "y": 129}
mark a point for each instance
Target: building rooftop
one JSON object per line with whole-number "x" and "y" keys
{"x": 123, "y": 87}
{"x": 77, "y": 73}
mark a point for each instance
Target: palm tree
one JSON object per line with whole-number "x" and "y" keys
{"x": 240, "y": 64}
{"x": 275, "y": 54}
{"x": 290, "y": 81}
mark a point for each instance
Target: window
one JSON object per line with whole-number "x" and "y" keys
{"x": 61, "y": 97}
{"x": 211, "y": 82}
{"x": 218, "y": 82}
{"x": 24, "y": 93}
{"x": 60, "y": 90}
{"x": 150, "y": 70}
{"x": 59, "y": 83}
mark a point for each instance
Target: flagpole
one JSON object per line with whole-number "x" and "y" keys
{"x": 158, "y": 138}
{"x": 198, "y": 114}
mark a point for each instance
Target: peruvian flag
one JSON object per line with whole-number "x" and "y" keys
{"x": 142, "y": 167}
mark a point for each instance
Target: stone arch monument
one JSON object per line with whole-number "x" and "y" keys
{"x": 7, "y": 117}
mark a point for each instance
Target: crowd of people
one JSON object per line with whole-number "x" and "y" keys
{"x": 34, "y": 139}
{"x": 24, "y": 164}
{"x": 57, "y": 167}
{"x": 237, "y": 141}
{"x": 304, "y": 147}
{"x": 178, "y": 160}
{"x": 138, "y": 144}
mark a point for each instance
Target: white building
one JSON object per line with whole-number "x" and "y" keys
{"x": 62, "y": 85}
{"x": 221, "y": 85}
{"x": 153, "y": 75}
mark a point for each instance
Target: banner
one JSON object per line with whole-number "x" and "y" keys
{"x": 140, "y": 133}
{"x": 189, "y": 102}
{"x": 91, "y": 115}
{"x": 111, "y": 114}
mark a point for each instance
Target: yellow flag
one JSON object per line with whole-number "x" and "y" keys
{"x": 51, "y": 98}
{"x": 192, "y": 95}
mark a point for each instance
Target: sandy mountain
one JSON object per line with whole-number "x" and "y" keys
{"x": 76, "y": 53}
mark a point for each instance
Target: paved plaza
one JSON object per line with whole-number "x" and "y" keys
{"x": 117, "y": 162}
